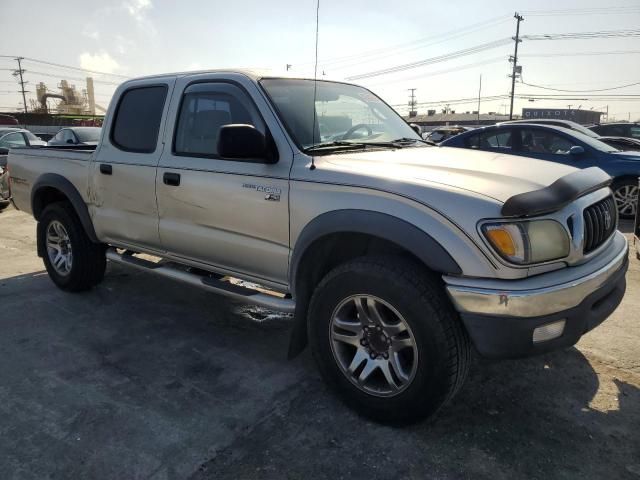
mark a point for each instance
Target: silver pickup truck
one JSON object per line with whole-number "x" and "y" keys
{"x": 395, "y": 256}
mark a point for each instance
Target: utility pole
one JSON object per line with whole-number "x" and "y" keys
{"x": 479, "y": 92}
{"x": 519, "y": 18}
{"x": 19, "y": 72}
{"x": 412, "y": 102}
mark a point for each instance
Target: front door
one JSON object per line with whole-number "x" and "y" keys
{"x": 231, "y": 215}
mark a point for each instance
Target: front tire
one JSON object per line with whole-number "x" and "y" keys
{"x": 74, "y": 263}
{"x": 386, "y": 338}
{"x": 625, "y": 193}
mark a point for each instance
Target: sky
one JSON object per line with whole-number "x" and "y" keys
{"x": 128, "y": 38}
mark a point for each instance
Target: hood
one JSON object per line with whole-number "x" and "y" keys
{"x": 493, "y": 175}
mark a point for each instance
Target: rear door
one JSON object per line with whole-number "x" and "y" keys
{"x": 228, "y": 214}
{"x": 123, "y": 174}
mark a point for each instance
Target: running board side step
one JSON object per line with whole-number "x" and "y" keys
{"x": 221, "y": 287}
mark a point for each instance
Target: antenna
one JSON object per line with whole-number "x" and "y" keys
{"x": 315, "y": 88}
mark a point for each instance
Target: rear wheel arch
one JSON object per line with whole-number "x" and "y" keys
{"x": 340, "y": 236}
{"x": 51, "y": 188}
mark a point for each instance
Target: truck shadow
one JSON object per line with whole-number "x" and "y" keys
{"x": 155, "y": 376}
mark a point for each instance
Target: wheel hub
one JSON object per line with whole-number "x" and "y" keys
{"x": 375, "y": 341}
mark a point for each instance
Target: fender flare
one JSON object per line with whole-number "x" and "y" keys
{"x": 376, "y": 224}
{"x": 60, "y": 183}
{"x": 381, "y": 225}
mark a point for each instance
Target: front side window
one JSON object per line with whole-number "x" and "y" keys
{"x": 13, "y": 140}
{"x": 541, "y": 141}
{"x": 635, "y": 132}
{"x": 137, "y": 121}
{"x": 207, "y": 107}
{"x": 342, "y": 112}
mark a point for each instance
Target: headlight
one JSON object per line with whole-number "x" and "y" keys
{"x": 528, "y": 242}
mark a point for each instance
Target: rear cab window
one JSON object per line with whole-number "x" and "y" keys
{"x": 137, "y": 120}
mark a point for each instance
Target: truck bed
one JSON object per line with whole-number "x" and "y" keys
{"x": 27, "y": 165}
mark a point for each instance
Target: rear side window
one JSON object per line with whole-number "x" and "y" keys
{"x": 137, "y": 120}
{"x": 490, "y": 140}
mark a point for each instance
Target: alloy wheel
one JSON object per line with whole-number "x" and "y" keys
{"x": 626, "y": 197}
{"x": 59, "y": 248}
{"x": 373, "y": 345}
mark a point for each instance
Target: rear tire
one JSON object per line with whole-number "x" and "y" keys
{"x": 432, "y": 360}
{"x": 4, "y": 205}
{"x": 74, "y": 263}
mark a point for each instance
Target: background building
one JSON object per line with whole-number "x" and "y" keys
{"x": 585, "y": 117}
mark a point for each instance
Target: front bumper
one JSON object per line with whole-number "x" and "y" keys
{"x": 501, "y": 321}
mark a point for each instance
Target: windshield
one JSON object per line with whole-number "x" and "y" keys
{"x": 592, "y": 142}
{"x": 344, "y": 113}
{"x": 87, "y": 134}
{"x": 584, "y": 130}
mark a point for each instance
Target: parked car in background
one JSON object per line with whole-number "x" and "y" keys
{"x": 4, "y": 180}
{"x": 561, "y": 145}
{"x": 622, "y": 143}
{"x": 5, "y": 195}
{"x": 8, "y": 120}
{"x": 18, "y": 137}
{"x": 442, "y": 133}
{"x": 76, "y": 136}
{"x": 631, "y": 130}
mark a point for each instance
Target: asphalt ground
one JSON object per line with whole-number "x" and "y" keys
{"x": 145, "y": 378}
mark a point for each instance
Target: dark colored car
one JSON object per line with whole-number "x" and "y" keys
{"x": 8, "y": 120}
{"x": 561, "y": 145}
{"x": 622, "y": 143}
{"x": 5, "y": 195}
{"x": 76, "y": 136}
{"x": 18, "y": 137}
{"x": 440, "y": 134}
{"x": 631, "y": 130}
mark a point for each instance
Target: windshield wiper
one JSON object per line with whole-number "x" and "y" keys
{"x": 336, "y": 144}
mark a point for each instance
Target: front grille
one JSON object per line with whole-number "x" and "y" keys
{"x": 600, "y": 221}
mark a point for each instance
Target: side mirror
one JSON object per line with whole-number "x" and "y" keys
{"x": 576, "y": 150}
{"x": 70, "y": 141}
{"x": 416, "y": 128}
{"x": 243, "y": 142}
{"x": 4, "y": 151}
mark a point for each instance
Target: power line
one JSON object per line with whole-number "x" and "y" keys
{"x": 441, "y": 72}
{"x": 582, "y": 91}
{"x": 584, "y": 35}
{"x": 617, "y": 10}
{"x": 65, "y": 66}
{"x": 431, "y": 61}
{"x": 414, "y": 44}
{"x": 66, "y": 77}
{"x": 581, "y": 54}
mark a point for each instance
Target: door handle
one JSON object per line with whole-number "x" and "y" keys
{"x": 106, "y": 169}
{"x": 170, "y": 178}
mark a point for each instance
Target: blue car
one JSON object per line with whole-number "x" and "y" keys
{"x": 561, "y": 145}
